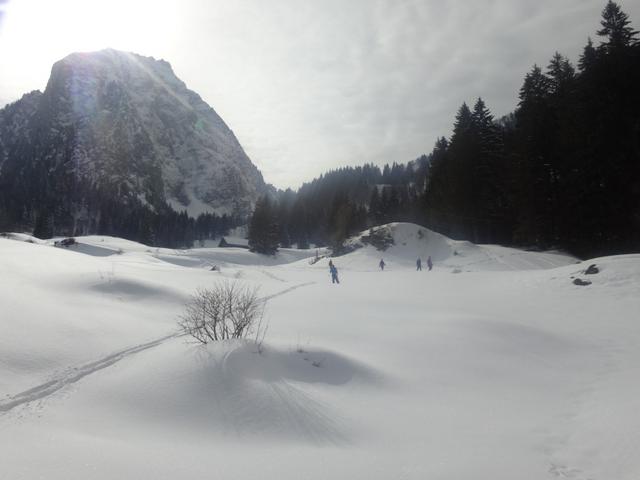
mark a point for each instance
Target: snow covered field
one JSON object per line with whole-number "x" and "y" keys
{"x": 492, "y": 366}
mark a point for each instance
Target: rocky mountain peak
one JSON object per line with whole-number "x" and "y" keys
{"x": 126, "y": 122}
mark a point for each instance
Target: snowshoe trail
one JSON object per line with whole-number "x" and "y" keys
{"x": 287, "y": 290}
{"x": 78, "y": 373}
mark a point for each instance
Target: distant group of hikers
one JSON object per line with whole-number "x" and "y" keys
{"x": 419, "y": 263}
{"x": 334, "y": 271}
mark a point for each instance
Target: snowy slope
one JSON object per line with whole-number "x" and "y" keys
{"x": 507, "y": 370}
{"x": 412, "y": 242}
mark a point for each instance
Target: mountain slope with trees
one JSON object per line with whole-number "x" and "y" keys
{"x": 117, "y": 144}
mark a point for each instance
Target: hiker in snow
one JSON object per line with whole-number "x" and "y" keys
{"x": 381, "y": 264}
{"x": 429, "y": 264}
{"x": 334, "y": 272}
{"x": 419, "y": 264}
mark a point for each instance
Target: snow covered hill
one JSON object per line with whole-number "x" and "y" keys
{"x": 124, "y": 121}
{"x": 410, "y": 242}
{"x": 492, "y": 365}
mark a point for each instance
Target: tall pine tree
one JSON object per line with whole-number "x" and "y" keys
{"x": 263, "y": 228}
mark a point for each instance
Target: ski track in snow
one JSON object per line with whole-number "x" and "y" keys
{"x": 564, "y": 472}
{"x": 272, "y": 276}
{"x": 75, "y": 374}
{"x": 287, "y": 290}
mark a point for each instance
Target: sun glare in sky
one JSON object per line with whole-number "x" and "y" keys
{"x": 34, "y": 31}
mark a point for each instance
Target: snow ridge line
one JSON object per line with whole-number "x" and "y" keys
{"x": 78, "y": 373}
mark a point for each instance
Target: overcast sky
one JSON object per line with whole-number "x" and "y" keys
{"x": 311, "y": 85}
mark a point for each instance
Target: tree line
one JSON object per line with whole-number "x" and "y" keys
{"x": 85, "y": 209}
{"x": 561, "y": 171}
{"x": 327, "y": 210}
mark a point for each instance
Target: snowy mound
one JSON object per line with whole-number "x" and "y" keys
{"x": 193, "y": 258}
{"x": 401, "y": 244}
{"x": 228, "y": 389}
{"x": 22, "y": 237}
{"x": 394, "y": 374}
{"x": 612, "y": 271}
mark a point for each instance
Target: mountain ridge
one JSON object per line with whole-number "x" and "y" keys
{"x": 125, "y": 124}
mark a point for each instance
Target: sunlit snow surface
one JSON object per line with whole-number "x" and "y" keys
{"x": 492, "y": 366}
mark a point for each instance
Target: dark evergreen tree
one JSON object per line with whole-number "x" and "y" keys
{"x": 375, "y": 210}
{"x": 44, "y": 227}
{"x": 341, "y": 222}
{"x": 588, "y": 57}
{"x": 561, "y": 75}
{"x": 616, "y": 29}
{"x": 532, "y": 157}
{"x": 437, "y": 190}
{"x": 263, "y": 228}
{"x": 491, "y": 211}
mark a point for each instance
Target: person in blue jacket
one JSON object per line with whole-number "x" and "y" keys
{"x": 334, "y": 272}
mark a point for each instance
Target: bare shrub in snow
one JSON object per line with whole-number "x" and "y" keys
{"x": 227, "y": 310}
